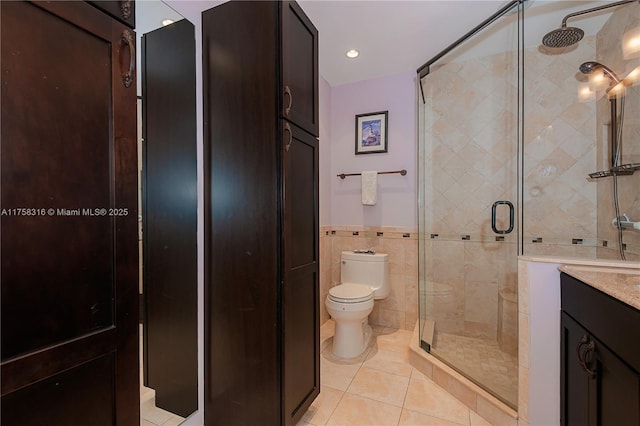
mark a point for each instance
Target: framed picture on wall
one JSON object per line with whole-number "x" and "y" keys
{"x": 371, "y": 132}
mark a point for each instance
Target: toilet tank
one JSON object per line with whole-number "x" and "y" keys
{"x": 367, "y": 269}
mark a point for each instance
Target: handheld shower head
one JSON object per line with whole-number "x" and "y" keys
{"x": 591, "y": 66}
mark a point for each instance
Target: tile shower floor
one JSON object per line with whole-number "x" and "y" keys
{"x": 380, "y": 387}
{"x": 482, "y": 360}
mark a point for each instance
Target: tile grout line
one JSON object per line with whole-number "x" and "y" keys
{"x": 345, "y": 391}
{"x": 413, "y": 372}
{"x": 406, "y": 392}
{"x": 358, "y": 370}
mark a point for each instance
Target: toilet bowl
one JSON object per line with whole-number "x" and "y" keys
{"x": 365, "y": 277}
{"x": 350, "y": 305}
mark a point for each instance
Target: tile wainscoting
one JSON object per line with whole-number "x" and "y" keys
{"x": 400, "y": 309}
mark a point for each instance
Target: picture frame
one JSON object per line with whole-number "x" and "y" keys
{"x": 371, "y": 132}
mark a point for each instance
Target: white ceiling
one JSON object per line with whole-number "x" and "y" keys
{"x": 392, "y": 36}
{"x": 395, "y": 36}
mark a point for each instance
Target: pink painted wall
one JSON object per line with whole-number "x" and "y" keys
{"x": 325, "y": 152}
{"x": 397, "y": 195}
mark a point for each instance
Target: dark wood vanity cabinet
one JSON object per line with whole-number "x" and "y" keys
{"x": 69, "y": 277}
{"x": 600, "y": 358}
{"x": 261, "y": 213}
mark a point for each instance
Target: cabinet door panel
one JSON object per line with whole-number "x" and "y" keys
{"x": 70, "y": 268}
{"x": 610, "y": 397}
{"x": 618, "y": 390}
{"x": 62, "y": 170}
{"x": 301, "y": 376}
{"x": 300, "y": 200}
{"x": 299, "y": 68}
{"x": 93, "y": 405}
{"x": 300, "y": 304}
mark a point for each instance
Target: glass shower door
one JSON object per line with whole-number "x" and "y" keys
{"x": 468, "y": 199}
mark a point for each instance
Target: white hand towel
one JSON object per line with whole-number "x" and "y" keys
{"x": 369, "y": 188}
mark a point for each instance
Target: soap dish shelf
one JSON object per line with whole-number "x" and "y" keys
{"x": 625, "y": 169}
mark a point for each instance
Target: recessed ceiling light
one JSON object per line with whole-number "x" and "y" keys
{"x": 166, "y": 22}
{"x": 353, "y": 53}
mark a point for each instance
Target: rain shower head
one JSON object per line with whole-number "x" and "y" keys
{"x": 568, "y": 36}
{"x": 563, "y": 37}
{"x": 591, "y": 66}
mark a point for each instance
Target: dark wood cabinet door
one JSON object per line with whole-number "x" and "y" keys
{"x": 170, "y": 216}
{"x": 69, "y": 277}
{"x": 616, "y": 388}
{"x": 299, "y": 68}
{"x": 300, "y": 291}
{"x": 575, "y": 401}
{"x": 597, "y": 387}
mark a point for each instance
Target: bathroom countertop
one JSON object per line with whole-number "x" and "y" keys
{"x": 621, "y": 283}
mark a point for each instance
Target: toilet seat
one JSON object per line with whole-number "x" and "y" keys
{"x": 350, "y": 293}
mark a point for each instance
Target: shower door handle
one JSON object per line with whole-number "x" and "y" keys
{"x": 493, "y": 217}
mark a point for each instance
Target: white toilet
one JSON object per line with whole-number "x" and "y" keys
{"x": 364, "y": 278}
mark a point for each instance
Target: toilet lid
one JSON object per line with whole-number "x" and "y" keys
{"x": 350, "y": 293}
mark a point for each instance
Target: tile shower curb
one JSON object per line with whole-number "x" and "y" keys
{"x": 470, "y": 394}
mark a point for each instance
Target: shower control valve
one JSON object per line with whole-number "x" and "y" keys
{"x": 625, "y": 222}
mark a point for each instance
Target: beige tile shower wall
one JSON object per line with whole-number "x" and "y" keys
{"x": 471, "y": 157}
{"x": 470, "y": 134}
{"x": 400, "y": 308}
{"x": 470, "y": 125}
{"x": 559, "y": 153}
{"x": 609, "y": 53}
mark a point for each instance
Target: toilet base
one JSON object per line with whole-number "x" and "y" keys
{"x": 351, "y": 338}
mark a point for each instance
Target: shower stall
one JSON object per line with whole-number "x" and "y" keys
{"x": 525, "y": 148}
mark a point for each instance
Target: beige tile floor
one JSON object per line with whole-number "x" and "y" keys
{"x": 380, "y": 388}
{"x": 150, "y": 415}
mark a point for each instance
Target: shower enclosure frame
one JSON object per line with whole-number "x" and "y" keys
{"x": 513, "y": 7}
